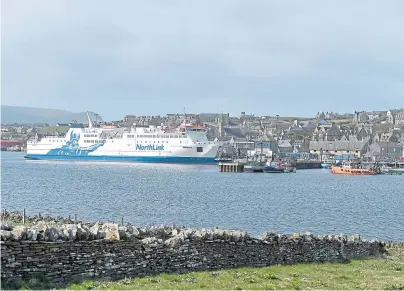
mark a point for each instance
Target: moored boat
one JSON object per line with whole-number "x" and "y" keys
{"x": 324, "y": 166}
{"x": 273, "y": 167}
{"x": 351, "y": 168}
{"x": 254, "y": 167}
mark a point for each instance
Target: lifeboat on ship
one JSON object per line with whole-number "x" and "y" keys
{"x": 350, "y": 168}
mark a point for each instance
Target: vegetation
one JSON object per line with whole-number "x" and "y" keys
{"x": 385, "y": 273}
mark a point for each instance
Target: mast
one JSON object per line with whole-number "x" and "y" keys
{"x": 90, "y": 124}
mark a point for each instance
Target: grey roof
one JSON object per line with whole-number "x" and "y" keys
{"x": 236, "y": 131}
{"x": 338, "y": 145}
{"x": 284, "y": 143}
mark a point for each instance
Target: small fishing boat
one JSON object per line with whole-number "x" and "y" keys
{"x": 395, "y": 172}
{"x": 274, "y": 167}
{"x": 254, "y": 167}
{"x": 352, "y": 168}
{"x": 391, "y": 170}
{"x": 324, "y": 165}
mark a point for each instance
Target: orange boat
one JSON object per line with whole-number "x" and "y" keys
{"x": 350, "y": 168}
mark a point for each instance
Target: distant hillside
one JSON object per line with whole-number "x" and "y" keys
{"x": 29, "y": 115}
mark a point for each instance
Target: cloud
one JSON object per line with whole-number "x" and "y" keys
{"x": 153, "y": 57}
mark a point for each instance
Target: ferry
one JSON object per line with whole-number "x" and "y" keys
{"x": 186, "y": 144}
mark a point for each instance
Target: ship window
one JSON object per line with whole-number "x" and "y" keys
{"x": 199, "y": 149}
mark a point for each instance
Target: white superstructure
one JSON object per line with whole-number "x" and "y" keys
{"x": 186, "y": 144}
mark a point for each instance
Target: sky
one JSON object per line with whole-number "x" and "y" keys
{"x": 149, "y": 57}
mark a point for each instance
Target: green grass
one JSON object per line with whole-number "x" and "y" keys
{"x": 378, "y": 273}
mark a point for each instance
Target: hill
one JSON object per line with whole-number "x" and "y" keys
{"x": 29, "y": 115}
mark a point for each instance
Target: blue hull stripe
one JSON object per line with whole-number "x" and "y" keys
{"x": 180, "y": 160}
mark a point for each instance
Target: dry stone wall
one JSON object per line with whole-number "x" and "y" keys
{"x": 104, "y": 250}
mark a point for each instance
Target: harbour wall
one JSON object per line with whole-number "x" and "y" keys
{"x": 61, "y": 253}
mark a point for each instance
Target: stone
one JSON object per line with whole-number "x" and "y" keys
{"x": 111, "y": 231}
{"x": 51, "y": 234}
{"x": 269, "y": 237}
{"x": 123, "y": 231}
{"x": 83, "y": 233}
{"x": 149, "y": 240}
{"x": 5, "y": 226}
{"x": 69, "y": 232}
{"x": 6, "y": 235}
{"x": 95, "y": 231}
{"x": 19, "y": 232}
{"x": 32, "y": 234}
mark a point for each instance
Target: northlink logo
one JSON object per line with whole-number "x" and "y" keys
{"x": 149, "y": 147}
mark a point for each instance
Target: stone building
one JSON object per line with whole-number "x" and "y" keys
{"x": 344, "y": 146}
{"x": 391, "y": 150}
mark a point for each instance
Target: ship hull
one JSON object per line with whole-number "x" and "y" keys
{"x": 139, "y": 159}
{"x": 352, "y": 171}
{"x": 268, "y": 169}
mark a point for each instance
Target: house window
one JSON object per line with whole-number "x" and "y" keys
{"x": 199, "y": 149}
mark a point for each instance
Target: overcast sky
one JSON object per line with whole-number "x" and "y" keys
{"x": 287, "y": 57}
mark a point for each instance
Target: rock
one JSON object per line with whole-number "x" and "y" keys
{"x": 238, "y": 236}
{"x": 6, "y": 235}
{"x": 69, "y": 232}
{"x": 354, "y": 238}
{"x": 32, "y": 234}
{"x": 133, "y": 230}
{"x": 122, "y": 230}
{"x": 149, "y": 240}
{"x": 269, "y": 237}
{"x": 95, "y": 231}
{"x": 111, "y": 231}
{"x": 83, "y": 233}
{"x": 51, "y": 234}
{"x": 5, "y": 226}
{"x": 174, "y": 241}
{"x": 19, "y": 232}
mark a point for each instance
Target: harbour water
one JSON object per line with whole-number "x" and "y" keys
{"x": 201, "y": 196}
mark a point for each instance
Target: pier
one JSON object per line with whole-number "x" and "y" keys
{"x": 234, "y": 167}
{"x": 300, "y": 165}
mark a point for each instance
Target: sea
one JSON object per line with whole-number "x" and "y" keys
{"x": 200, "y": 196}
